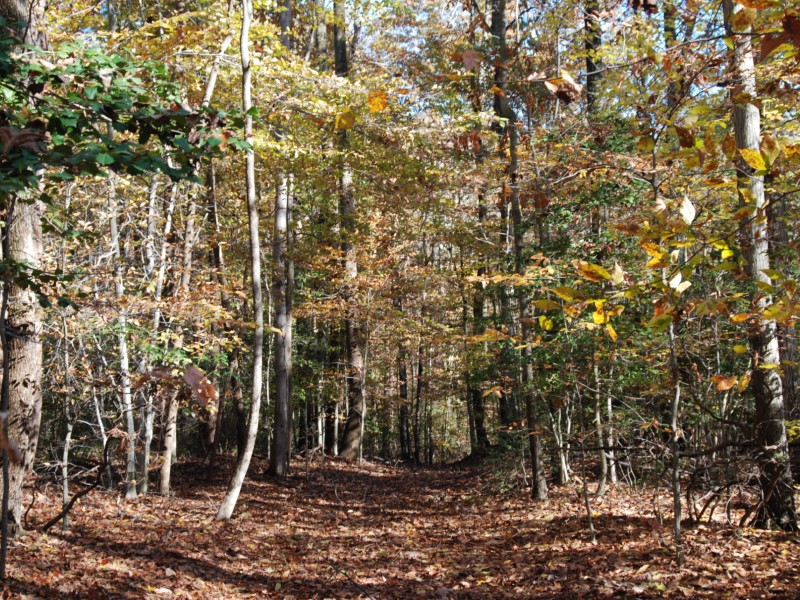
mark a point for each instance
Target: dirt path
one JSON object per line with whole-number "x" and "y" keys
{"x": 341, "y": 531}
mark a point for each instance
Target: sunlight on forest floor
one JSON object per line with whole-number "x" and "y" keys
{"x": 335, "y": 530}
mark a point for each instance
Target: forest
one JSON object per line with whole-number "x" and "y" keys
{"x": 399, "y": 298}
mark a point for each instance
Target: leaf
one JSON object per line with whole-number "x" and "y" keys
{"x": 676, "y": 280}
{"x": 646, "y": 143}
{"x": 611, "y": 332}
{"x": 683, "y": 287}
{"x": 498, "y": 91}
{"x": 770, "y": 149}
{"x": 599, "y": 317}
{"x": 546, "y": 305}
{"x": 724, "y": 382}
{"x": 345, "y": 120}
{"x": 660, "y": 322}
{"x": 739, "y": 348}
{"x": 566, "y": 293}
{"x": 742, "y": 20}
{"x": 545, "y": 323}
{"x": 753, "y": 158}
{"x": 771, "y": 42}
{"x": 104, "y": 158}
{"x": 377, "y": 100}
{"x": 688, "y": 211}
{"x": 471, "y": 59}
{"x": 564, "y": 88}
{"x": 275, "y": 330}
{"x": 592, "y": 272}
{"x": 617, "y": 275}
{"x": 686, "y": 137}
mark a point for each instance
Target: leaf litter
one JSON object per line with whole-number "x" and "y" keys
{"x": 339, "y": 530}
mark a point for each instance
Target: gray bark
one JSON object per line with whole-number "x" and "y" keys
{"x": 770, "y": 424}
{"x": 242, "y": 465}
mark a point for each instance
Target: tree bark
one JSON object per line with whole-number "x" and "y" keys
{"x": 23, "y": 319}
{"x": 770, "y": 425}
{"x": 504, "y": 111}
{"x": 242, "y": 465}
{"x": 354, "y": 338}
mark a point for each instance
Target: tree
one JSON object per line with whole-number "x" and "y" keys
{"x": 234, "y": 488}
{"x": 22, "y": 326}
{"x": 770, "y": 419}
{"x": 354, "y": 337}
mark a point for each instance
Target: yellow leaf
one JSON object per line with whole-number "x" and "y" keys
{"x": 377, "y": 101}
{"x": 611, "y": 333}
{"x": 546, "y": 323}
{"x": 565, "y": 293}
{"x": 645, "y": 144}
{"x": 744, "y": 381}
{"x": 617, "y": 275}
{"x": 546, "y": 305}
{"x": 592, "y": 272}
{"x": 740, "y": 317}
{"x": 599, "y": 317}
{"x": 498, "y": 92}
{"x": 753, "y": 158}
{"x": 740, "y": 348}
{"x": 345, "y": 120}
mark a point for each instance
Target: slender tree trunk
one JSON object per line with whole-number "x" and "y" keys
{"x": 503, "y": 110}
{"x": 354, "y": 337}
{"x": 770, "y": 424}
{"x": 170, "y": 431}
{"x": 235, "y": 486}
{"x": 279, "y": 455}
{"x": 598, "y": 425}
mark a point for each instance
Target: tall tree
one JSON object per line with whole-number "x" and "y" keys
{"x": 508, "y": 119}
{"x": 282, "y": 289}
{"x": 22, "y": 382}
{"x": 770, "y": 420}
{"x": 234, "y": 488}
{"x": 354, "y": 335}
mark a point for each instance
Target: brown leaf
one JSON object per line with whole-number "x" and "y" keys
{"x": 771, "y": 41}
{"x": 685, "y": 136}
{"x": 203, "y": 390}
{"x": 564, "y": 88}
{"x": 24, "y": 139}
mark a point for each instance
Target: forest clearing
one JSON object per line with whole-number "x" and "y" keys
{"x": 339, "y": 530}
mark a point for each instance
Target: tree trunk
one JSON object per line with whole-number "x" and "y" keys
{"x": 169, "y": 435}
{"x": 354, "y": 338}
{"x": 770, "y": 424}
{"x": 279, "y": 454}
{"x": 22, "y": 348}
{"x": 504, "y": 111}
{"x": 242, "y": 465}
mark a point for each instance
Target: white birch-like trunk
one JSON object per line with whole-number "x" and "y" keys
{"x": 235, "y": 486}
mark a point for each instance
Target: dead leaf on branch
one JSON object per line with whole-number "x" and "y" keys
{"x": 32, "y": 140}
{"x": 564, "y": 88}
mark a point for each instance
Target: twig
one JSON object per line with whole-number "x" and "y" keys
{"x": 350, "y": 579}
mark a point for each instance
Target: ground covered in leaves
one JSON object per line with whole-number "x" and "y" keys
{"x": 338, "y": 530}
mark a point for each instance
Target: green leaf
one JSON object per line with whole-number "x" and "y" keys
{"x": 660, "y": 323}
{"x": 104, "y": 158}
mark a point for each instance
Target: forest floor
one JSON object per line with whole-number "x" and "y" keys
{"x": 339, "y": 530}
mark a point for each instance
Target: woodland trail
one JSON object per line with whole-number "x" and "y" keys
{"x": 337, "y": 530}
